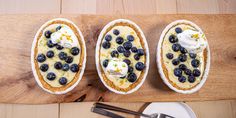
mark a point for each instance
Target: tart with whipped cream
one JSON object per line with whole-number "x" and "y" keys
{"x": 58, "y": 56}
{"x": 122, "y": 56}
{"x": 183, "y": 56}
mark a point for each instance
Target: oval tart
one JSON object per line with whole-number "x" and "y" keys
{"x": 122, "y": 56}
{"x": 58, "y": 56}
{"x": 183, "y": 57}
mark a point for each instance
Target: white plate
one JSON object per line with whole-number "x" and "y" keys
{"x": 175, "y": 109}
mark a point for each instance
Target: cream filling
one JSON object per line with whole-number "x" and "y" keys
{"x": 43, "y": 48}
{"x": 105, "y": 54}
{"x": 192, "y": 41}
{"x": 167, "y": 48}
{"x": 117, "y": 68}
{"x": 64, "y": 37}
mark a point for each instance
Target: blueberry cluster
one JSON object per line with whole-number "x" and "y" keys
{"x": 64, "y": 58}
{"x": 125, "y": 48}
{"x": 182, "y": 68}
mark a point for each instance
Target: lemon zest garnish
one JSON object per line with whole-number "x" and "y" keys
{"x": 117, "y": 70}
{"x": 196, "y": 36}
{"x": 68, "y": 37}
{"x": 123, "y": 65}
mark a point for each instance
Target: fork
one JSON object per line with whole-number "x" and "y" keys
{"x": 109, "y": 107}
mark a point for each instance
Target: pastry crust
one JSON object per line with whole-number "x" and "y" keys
{"x": 163, "y": 69}
{"x": 108, "y": 83}
{"x": 39, "y": 78}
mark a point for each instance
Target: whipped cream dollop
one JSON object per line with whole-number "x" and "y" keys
{"x": 64, "y": 37}
{"x": 117, "y": 68}
{"x": 192, "y": 41}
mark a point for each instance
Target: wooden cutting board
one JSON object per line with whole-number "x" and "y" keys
{"x": 17, "y": 84}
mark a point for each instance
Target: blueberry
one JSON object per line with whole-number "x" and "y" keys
{"x": 105, "y": 63}
{"x": 106, "y": 44}
{"x": 175, "y": 61}
{"x": 65, "y": 67}
{"x": 130, "y": 38}
{"x": 182, "y": 79}
{"x": 47, "y": 34}
{"x": 116, "y": 32}
{"x": 140, "y": 52}
{"x": 59, "y": 47}
{"x": 192, "y": 55}
{"x": 175, "y": 47}
{"x": 130, "y": 69}
{"x": 196, "y": 73}
{"x": 182, "y": 57}
{"x": 139, "y": 66}
{"x": 195, "y": 63}
{"x": 50, "y": 54}
{"x": 169, "y": 55}
{"x": 127, "y": 61}
{"x": 177, "y": 72}
{"x": 183, "y": 50}
{"x": 62, "y": 55}
{"x": 119, "y": 40}
{"x": 114, "y": 53}
{"x": 191, "y": 78}
{"x": 41, "y": 58}
{"x": 74, "y": 51}
{"x": 136, "y": 57}
{"x": 173, "y": 38}
{"x": 127, "y": 45}
{"x": 120, "y": 49}
{"x": 74, "y": 68}
{"x": 44, "y": 67}
{"x": 127, "y": 53}
{"x": 58, "y": 65}
{"x": 132, "y": 77}
{"x": 108, "y": 37}
{"x": 69, "y": 59}
{"x": 178, "y": 30}
{"x": 182, "y": 67}
{"x": 188, "y": 72}
{"x": 63, "y": 81}
{"x": 51, "y": 76}
{"x": 134, "y": 49}
{"x": 50, "y": 44}
{"x": 58, "y": 28}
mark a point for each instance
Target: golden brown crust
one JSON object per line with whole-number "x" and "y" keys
{"x": 165, "y": 69}
{"x": 110, "y": 83}
{"x": 43, "y": 82}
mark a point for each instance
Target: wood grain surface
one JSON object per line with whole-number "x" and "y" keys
{"x": 30, "y": 6}
{"x": 17, "y": 83}
{"x": 148, "y": 6}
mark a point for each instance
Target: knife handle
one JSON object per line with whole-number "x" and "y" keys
{"x": 114, "y": 108}
{"x": 105, "y": 113}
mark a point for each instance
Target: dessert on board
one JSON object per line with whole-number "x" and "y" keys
{"x": 183, "y": 56}
{"x": 58, "y": 56}
{"x": 122, "y": 56}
